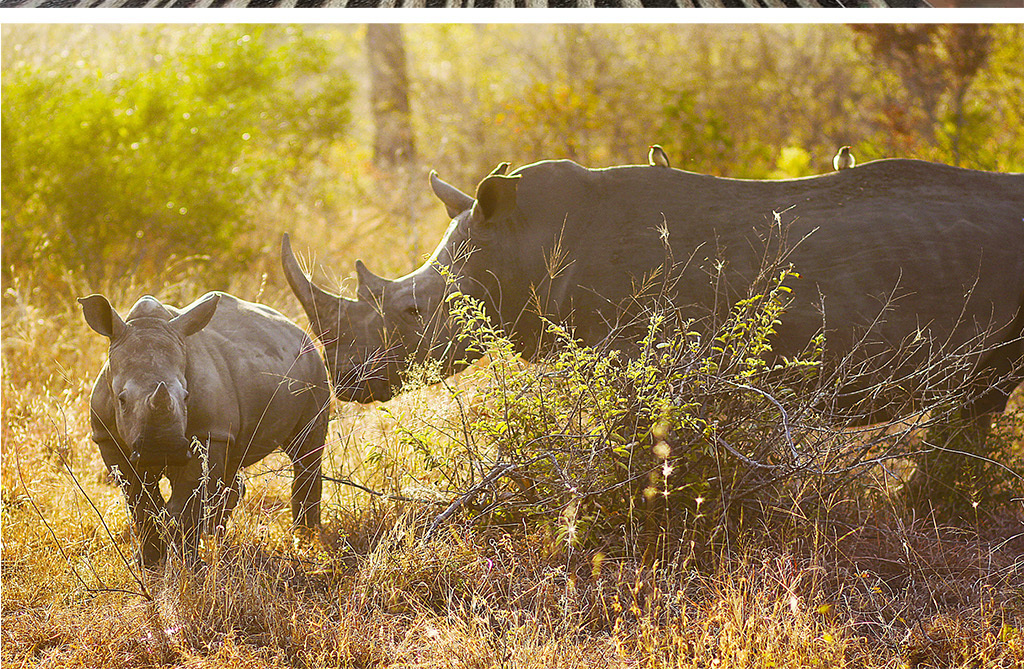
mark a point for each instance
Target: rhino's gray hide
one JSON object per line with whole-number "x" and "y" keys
{"x": 197, "y": 394}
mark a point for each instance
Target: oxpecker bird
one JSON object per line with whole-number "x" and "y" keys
{"x": 844, "y": 159}
{"x": 657, "y": 156}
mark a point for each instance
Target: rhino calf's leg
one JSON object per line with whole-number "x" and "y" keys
{"x": 306, "y": 453}
{"x": 145, "y": 503}
{"x": 185, "y": 508}
{"x": 306, "y": 491}
{"x": 200, "y": 501}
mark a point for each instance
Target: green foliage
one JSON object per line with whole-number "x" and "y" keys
{"x": 686, "y": 437}
{"x": 695, "y": 130}
{"x": 933, "y": 92}
{"x": 597, "y": 440}
{"x": 111, "y": 171}
{"x": 724, "y": 100}
{"x": 792, "y": 161}
{"x": 87, "y": 184}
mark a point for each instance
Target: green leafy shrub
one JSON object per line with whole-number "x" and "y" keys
{"x": 694, "y": 436}
{"x": 603, "y": 442}
{"x": 108, "y": 171}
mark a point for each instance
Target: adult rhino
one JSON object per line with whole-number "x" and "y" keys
{"x": 195, "y": 395}
{"x": 890, "y": 252}
{"x": 936, "y": 250}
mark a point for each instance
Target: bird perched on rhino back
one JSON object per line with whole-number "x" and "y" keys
{"x": 843, "y": 160}
{"x": 657, "y": 156}
{"x": 195, "y": 395}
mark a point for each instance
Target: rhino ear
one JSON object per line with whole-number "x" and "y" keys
{"x": 495, "y": 198}
{"x": 371, "y": 287}
{"x": 101, "y": 317}
{"x": 196, "y": 316}
{"x": 455, "y": 201}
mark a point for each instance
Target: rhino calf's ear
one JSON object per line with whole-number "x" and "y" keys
{"x": 197, "y": 316}
{"x": 495, "y": 197}
{"x": 101, "y": 317}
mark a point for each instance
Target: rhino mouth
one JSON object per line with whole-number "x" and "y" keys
{"x": 149, "y": 458}
{"x": 353, "y": 387}
{"x": 367, "y": 380}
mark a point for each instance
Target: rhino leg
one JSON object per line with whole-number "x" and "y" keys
{"x": 945, "y": 478}
{"x": 306, "y": 453}
{"x": 185, "y": 508}
{"x": 145, "y": 504}
{"x": 197, "y": 508}
{"x": 955, "y": 475}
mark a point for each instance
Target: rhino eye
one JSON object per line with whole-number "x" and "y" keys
{"x": 122, "y": 399}
{"x": 411, "y": 312}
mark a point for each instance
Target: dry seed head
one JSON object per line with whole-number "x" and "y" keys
{"x": 596, "y": 563}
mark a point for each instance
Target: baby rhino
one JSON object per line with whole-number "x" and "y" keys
{"x": 196, "y": 394}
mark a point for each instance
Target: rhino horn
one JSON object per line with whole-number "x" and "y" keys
{"x": 160, "y": 399}
{"x": 371, "y": 286}
{"x": 455, "y": 201}
{"x": 321, "y": 307}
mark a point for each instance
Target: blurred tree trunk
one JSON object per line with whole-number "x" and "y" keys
{"x": 937, "y": 64}
{"x": 575, "y": 78}
{"x": 394, "y": 147}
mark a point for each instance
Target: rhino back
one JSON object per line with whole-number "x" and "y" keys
{"x": 255, "y": 377}
{"x": 925, "y": 234}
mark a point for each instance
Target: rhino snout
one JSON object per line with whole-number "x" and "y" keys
{"x": 151, "y": 456}
{"x": 135, "y": 458}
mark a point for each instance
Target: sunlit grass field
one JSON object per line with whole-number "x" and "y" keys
{"x": 367, "y": 590}
{"x": 868, "y": 584}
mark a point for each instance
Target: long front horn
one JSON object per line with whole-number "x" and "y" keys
{"x": 319, "y": 305}
{"x": 455, "y": 201}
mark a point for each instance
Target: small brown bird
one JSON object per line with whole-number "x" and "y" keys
{"x": 844, "y": 159}
{"x": 657, "y": 156}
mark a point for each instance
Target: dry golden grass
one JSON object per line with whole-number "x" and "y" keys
{"x": 367, "y": 591}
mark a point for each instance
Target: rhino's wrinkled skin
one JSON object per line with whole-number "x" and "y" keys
{"x": 888, "y": 252}
{"x": 228, "y": 377}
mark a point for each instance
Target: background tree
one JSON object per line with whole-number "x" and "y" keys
{"x": 394, "y": 145}
{"x": 937, "y": 64}
{"x": 249, "y": 131}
